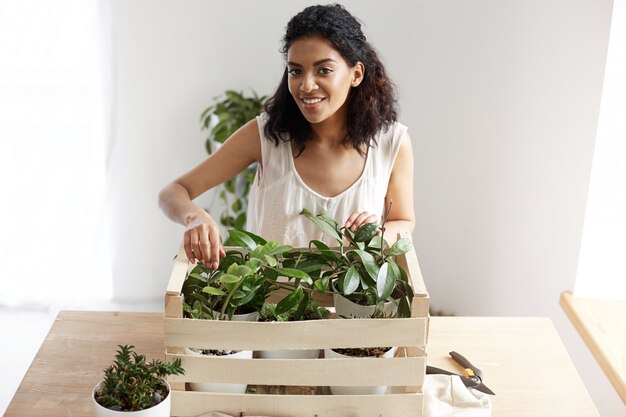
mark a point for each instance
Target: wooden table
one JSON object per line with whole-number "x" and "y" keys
{"x": 523, "y": 360}
{"x": 602, "y": 325}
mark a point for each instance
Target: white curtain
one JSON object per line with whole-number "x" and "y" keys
{"x": 602, "y": 265}
{"x": 53, "y": 125}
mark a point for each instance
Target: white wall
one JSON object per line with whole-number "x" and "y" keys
{"x": 501, "y": 99}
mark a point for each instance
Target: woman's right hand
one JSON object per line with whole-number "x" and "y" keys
{"x": 203, "y": 241}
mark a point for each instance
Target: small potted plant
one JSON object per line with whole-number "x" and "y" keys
{"x": 134, "y": 387}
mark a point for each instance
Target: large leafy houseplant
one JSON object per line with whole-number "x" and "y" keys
{"x": 132, "y": 384}
{"x": 361, "y": 268}
{"x": 222, "y": 119}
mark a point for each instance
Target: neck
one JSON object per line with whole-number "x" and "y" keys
{"x": 331, "y": 131}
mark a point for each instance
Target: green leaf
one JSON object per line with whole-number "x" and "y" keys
{"x": 229, "y": 279}
{"x": 400, "y": 247}
{"x": 279, "y": 250}
{"x": 325, "y": 250}
{"x": 323, "y": 225}
{"x": 242, "y": 239}
{"x": 293, "y": 273}
{"x": 321, "y": 284}
{"x": 328, "y": 219}
{"x": 385, "y": 282}
{"x": 351, "y": 281}
{"x": 230, "y": 186}
{"x": 213, "y": 291}
{"x": 290, "y": 301}
{"x": 240, "y": 221}
{"x": 236, "y": 206}
{"x": 239, "y": 270}
{"x": 369, "y": 263}
{"x": 366, "y": 232}
{"x": 254, "y": 264}
{"x": 271, "y": 260}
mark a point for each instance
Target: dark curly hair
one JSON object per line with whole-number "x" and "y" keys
{"x": 372, "y": 105}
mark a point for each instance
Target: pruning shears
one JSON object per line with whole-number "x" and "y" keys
{"x": 473, "y": 377}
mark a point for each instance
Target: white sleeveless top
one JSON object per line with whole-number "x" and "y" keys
{"x": 278, "y": 194}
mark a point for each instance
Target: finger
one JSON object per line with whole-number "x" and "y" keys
{"x": 195, "y": 248}
{"x": 187, "y": 247}
{"x": 205, "y": 246}
{"x": 361, "y": 220}
{"x": 351, "y": 218}
{"x": 214, "y": 237}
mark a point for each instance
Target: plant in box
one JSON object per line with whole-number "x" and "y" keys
{"x": 361, "y": 271}
{"x": 236, "y": 290}
{"x": 366, "y": 281}
{"x": 133, "y": 386}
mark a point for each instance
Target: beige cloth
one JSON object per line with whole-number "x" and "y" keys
{"x": 447, "y": 396}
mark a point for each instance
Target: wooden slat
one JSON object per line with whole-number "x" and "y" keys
{"x": 186, "y": 404}
{"x": 308, "y": 372}
{"x": 421, "y": 300}
{"x": 215, "y": 334}
{"x": 173, "y": 306}
{"x": 602, "y": 325}
{"x": 177, "y": 277}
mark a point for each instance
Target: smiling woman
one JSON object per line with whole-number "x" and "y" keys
{"x": 329, "y": 140}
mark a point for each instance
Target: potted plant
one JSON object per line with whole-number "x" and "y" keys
{"x": 134, "y": 387}
{"x": 274, "y": 313}
{"x": 366, "y": 281}
{"x": 236, "y": 290}
{"x": 222, "y": 119}
{"x": 361, "y": 271}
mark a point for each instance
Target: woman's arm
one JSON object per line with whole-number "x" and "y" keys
{"x": 400, "y": 193}
{"x": 202, "y": 235}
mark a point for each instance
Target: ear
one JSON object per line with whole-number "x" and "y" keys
{"x": 358, "y": 72}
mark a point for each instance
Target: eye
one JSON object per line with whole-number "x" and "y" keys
{"x": 325, "y": 70}
{"x": 294, "y": 72}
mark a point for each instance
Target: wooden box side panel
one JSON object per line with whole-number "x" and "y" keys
{"x": 217, "y": 334}
{"x": 398, "y": 371}
{"x": 186, "y": 404}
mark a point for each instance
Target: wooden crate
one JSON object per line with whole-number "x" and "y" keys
{"x": 404, "y": 374}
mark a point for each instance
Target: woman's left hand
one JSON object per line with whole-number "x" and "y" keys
{"x": 358, "y": 219}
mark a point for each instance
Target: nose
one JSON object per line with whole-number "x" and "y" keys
{"x": 308, "y": 83}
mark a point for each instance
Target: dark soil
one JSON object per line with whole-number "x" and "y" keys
{"x": 375, "y": 352}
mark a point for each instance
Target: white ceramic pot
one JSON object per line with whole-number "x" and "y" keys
{"x": 242, "y": 354}
{"x": 162, "y": 409}
{"x": 218, "y": 386}
{"x": 349, "y": 390}
{"x": 347, "y": 309}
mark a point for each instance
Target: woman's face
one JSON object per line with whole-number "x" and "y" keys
{"x": 320, "y": 79}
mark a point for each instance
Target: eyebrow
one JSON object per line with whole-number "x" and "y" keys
{"x": 315, "y": 64}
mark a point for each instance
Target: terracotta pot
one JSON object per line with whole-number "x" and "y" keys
{"x": 162, "y": 409}
{"x": 356, "y": 390}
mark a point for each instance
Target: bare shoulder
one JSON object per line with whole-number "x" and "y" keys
{"x": 245, "y": 142}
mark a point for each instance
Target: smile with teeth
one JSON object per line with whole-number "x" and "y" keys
{"x": 311, "y": 100}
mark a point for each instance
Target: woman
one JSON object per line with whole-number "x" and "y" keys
{"x": 329, "y": 140}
